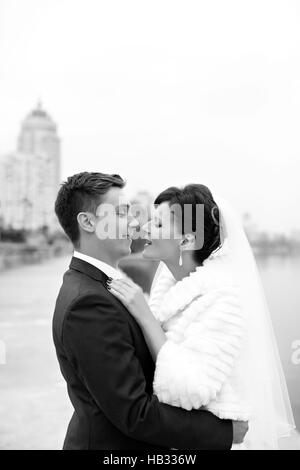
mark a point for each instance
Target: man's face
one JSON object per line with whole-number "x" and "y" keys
{"x": 115, "y": 225}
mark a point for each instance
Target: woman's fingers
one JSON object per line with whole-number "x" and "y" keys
{"x": 120, "y": 286}
{"x": 117, "y": 294}
{"x": 128, "y": 282}
{"x": 125, "y": 282}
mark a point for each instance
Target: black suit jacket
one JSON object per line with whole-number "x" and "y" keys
{"x": 109, "y": 372}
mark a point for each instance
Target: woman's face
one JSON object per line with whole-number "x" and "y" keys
{"x": 162, "y": 234}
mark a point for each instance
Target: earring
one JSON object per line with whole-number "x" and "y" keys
{"x": 180, "y": 259}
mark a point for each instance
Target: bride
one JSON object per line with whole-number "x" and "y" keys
{"x": 207, "y": 325}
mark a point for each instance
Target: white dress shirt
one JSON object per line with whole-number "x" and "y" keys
{"x": 110, "y": 271}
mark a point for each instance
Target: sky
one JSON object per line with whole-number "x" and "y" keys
{"x": 164, "y": 93}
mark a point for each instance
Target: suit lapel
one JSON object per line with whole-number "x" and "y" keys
{"x": 95, "y": 273}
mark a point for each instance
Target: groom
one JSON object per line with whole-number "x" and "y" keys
{"x": 100, "y": 347}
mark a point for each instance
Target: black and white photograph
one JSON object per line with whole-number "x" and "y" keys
{"x": 149, "y": 227}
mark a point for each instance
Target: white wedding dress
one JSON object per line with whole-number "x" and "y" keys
{"x": 221, "y": 352}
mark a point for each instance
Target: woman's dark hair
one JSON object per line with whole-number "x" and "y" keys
{"x": 82, "y": 192}
{"x": 192, "y": 195}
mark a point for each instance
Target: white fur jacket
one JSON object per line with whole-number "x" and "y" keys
{"x": 199, "y": 365}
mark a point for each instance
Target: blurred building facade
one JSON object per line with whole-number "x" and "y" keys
{"x": 30, "y": 176}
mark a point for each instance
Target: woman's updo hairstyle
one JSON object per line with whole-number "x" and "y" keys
{"x": 192, "y": 195}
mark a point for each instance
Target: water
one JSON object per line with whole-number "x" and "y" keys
{"x": 34, "y": 407}
{"x": 281, "y": 280}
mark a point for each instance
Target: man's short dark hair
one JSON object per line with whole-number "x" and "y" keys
{"x": 82, "y": 192}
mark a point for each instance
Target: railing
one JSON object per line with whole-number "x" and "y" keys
{"x": 17, "y": 254}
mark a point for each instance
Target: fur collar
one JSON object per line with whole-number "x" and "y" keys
{"x": 169, "y": 297}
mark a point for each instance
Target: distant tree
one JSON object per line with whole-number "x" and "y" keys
{"x": 13, "y": 235}
{"x": 1, "y": 226}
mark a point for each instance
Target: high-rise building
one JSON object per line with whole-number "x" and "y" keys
{"x": 30, "y": 176}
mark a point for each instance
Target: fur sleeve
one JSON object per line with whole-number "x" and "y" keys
{"x": 200, "y": 352}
